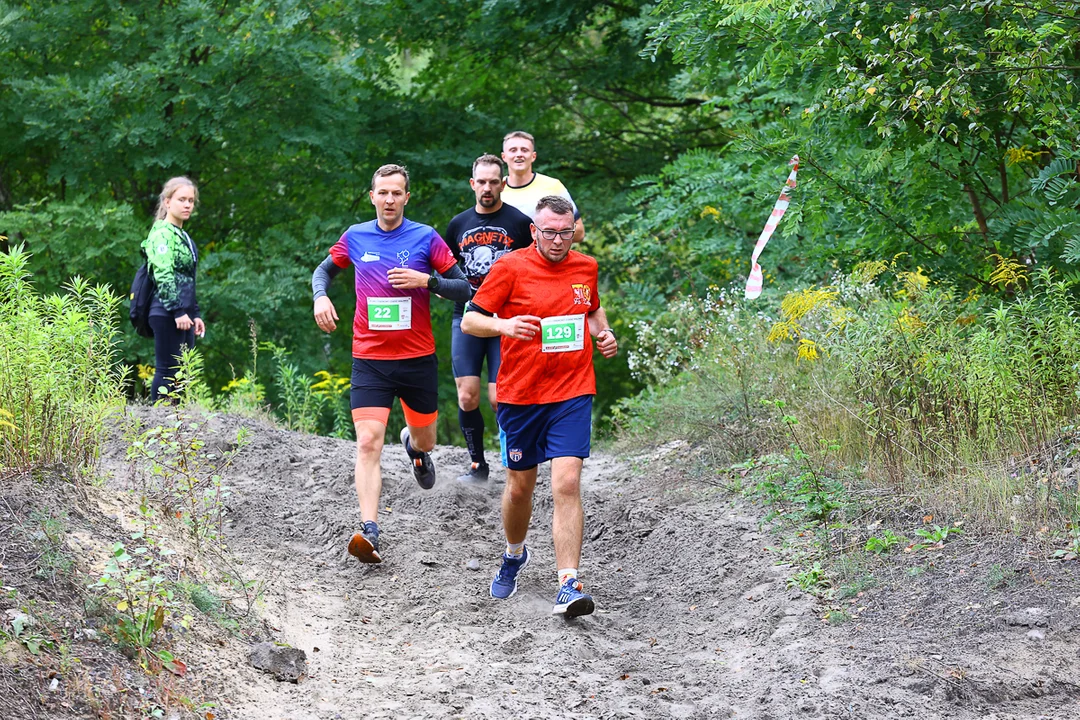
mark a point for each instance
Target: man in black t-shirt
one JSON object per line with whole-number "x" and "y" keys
{"x": 478, "y": 237}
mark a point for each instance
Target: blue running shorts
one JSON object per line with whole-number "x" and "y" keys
{"x": 532, "y": 434}
{"x": 467, "y": 353}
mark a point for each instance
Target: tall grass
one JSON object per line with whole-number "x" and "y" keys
{"x": 59, "y": 375}
{"x": 942, "y": 383}
{"x": 960, "y": 401}
{"x": 710, "y": 373}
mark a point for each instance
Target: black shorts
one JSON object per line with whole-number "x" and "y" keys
{"x": 375, "y": 383}
{"x": 468, "y": 352}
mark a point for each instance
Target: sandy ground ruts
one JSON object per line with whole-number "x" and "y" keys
{"x": 694, "y": 619}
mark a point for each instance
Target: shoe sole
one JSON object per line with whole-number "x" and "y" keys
{"x": 514, "y": 591}
{"x": 423, "y": 483}
{"x": 575, "y": 608}
{"x": 362, "y": 549}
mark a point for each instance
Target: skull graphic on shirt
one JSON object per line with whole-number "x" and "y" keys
{"x": 480, "y": 261}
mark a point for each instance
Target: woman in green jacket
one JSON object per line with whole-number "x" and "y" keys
{"x": 172, "y": 259}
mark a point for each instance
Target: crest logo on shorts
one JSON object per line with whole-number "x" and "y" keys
{"x": 515, "y": 455}
{"x": 582, "y": 294}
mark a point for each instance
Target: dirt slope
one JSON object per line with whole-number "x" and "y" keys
{"x": 694, "y": 619}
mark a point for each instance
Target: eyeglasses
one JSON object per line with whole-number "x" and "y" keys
{"x": 550, "y": 234}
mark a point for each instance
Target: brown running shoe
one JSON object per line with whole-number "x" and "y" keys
{"x": 365, "y": 547}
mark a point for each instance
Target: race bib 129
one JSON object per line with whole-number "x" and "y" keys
{"x": 389, "y": 313}
{"x": 562, "y": 333}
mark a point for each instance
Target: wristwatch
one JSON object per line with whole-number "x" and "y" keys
{"x": 608, "y": 330}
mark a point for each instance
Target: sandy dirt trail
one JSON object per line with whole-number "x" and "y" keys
{"x": 694, "y": 619}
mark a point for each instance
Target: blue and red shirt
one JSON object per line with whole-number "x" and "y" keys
{"x": 372, "y": 251}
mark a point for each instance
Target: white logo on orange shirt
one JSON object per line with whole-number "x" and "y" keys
{"x": 582, "y": 294}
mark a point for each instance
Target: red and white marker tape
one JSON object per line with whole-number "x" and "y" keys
{"x": 756, "y": 279}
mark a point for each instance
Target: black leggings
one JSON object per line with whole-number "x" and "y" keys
{"x": 167, "y": 345}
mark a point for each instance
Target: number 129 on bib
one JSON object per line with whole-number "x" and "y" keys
{"x": 562, "y": 333}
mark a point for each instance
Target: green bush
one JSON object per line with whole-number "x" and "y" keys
{"x": 318, "y": 404}
{"x": 932, "y": 392}
{"x": 707, "y": 366}
{"x": 184, "y": 475}
{"x": 59, "y": 376}
{"x": 136, "y": 586}
{"x": 942, "y": 383}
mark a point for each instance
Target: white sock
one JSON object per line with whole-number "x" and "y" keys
{"x": 565, "y": 574}
{"x": 515, "y": 549}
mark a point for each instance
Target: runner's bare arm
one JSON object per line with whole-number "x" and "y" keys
{"x": 597, "y": 321}
{"x": 325, "y": 313}
{"x": 601, "y": 330}
{"x": 481, "y": 324}
{"x": 402, "y": 278}
{"x": 579, "y": 231}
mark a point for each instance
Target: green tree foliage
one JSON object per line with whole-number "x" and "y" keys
{"x": 104, "y": 102}
{"x": 280, "y": 110}
{"x": 947, "y": 131}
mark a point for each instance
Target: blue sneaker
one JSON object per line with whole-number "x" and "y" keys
{"x": 505, "y": 583}
{"x": 571, "y": 601}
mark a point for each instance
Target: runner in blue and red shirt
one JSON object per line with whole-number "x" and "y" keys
{"x": 398, "y": 264}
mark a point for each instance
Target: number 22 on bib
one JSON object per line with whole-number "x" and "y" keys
{"x": 562, "y": 333}
{"x": 389, "y": 313}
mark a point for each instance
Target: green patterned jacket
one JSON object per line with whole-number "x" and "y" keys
{"x": 172, "y": 258}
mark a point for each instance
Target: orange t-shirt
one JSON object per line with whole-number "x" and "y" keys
{"x": 526, "y": 283}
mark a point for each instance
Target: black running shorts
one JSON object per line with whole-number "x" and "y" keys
{"x": 375, "y": 383}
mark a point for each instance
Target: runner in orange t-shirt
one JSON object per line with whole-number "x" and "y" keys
{"x": 545, "y": 302}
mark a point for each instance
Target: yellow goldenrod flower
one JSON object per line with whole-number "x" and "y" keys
{"x": 914, "y": 281}
{"x": 797, "y": 304}
{"x": 868, "y": 271}
{"x": 784, "y": 330}
{"x": 910, "y": 324}
{"x": 330, "y": 385}
{"x": 966, "y": 320}
{"x": 808, "y": 350}
{"x": 1016, "y": 156}
{"x": 235, "y": 383}
{"x": 1008, "y": 272}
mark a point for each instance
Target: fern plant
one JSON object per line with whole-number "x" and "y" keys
{"x": 1059, "y": 185}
